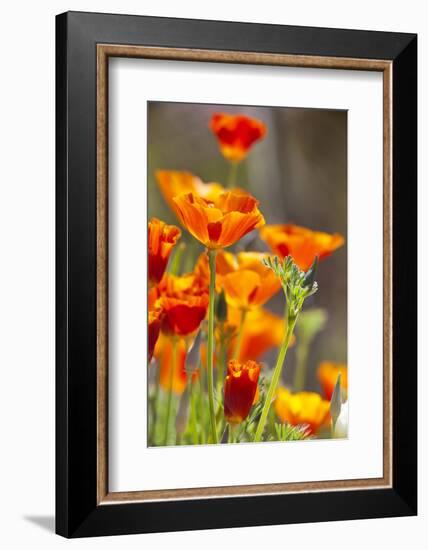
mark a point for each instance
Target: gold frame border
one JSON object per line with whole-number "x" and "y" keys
{"x": 104, "y": 51}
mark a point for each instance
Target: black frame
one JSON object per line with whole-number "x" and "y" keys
{"x": 77, "y": 513}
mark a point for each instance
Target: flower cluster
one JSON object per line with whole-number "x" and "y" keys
{"x": 208, "y": 326}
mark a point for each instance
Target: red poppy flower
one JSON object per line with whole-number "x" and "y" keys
{"x": 240, "y": 388}
{"x": 236, "y": 134}
{"x": 184, "y": 302}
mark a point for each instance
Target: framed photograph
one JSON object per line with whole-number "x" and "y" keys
{"x": 236, "y": 274}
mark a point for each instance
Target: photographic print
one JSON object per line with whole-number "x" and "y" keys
{"x": 247, "y": 274}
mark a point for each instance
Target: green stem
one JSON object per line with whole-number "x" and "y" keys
{"x": 169, "y": 402}
{"x": 155, "y": 408}
{"x": 240, "y": 333}
{"x": 233, "y": 172}
{"x": 201, "y": 404}
{"x": 193, "y": 412}
{"x": 219, "y": 415}
{"x": 210, "y": 351}
{"x": 176, "y": 260}
{"x": 275, "y": 378}
{"x": 232, "y": 434}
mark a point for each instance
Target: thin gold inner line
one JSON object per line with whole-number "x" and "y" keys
{"x": 223, "y": 56}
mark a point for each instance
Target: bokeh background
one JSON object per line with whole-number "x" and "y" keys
{"x": 298, "y": 172}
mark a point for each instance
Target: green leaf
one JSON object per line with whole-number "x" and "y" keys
{"x": 287, "y": 432}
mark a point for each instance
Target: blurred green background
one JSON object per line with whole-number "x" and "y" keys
{"x": 298, "y": 172}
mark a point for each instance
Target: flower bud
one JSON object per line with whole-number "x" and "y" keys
{"x": 341, "y": 427}
{"x": 240, "y": 388}
{"x": 309, "y": 279}
{"x": 336, "y": 401}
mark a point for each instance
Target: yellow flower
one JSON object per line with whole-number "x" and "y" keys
{"x": 302, "y": 408}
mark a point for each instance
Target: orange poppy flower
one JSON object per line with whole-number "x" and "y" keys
{"x": 236, "y": 134}
{"x": 221, "y": 222}
{"x": 154, "y": 329}
{"x": 327, "y": 373}
{"x": 225, "y": 263}
{"x": 184, "y": 302}
{"x": 302, "y": 408}
{"x": 262, "y": 331}
{"x": 240, "y": 389}
{"x": 301, "y": 243}
{"x": 164, "y": 353}
{"x": 161, "y": 241}
{"x": 173, "y": 183}
{"x": 247, "y": 283}
{"x": 251, "y": 284}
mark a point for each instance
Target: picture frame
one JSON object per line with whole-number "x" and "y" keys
{"x": 84, "y": 44}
